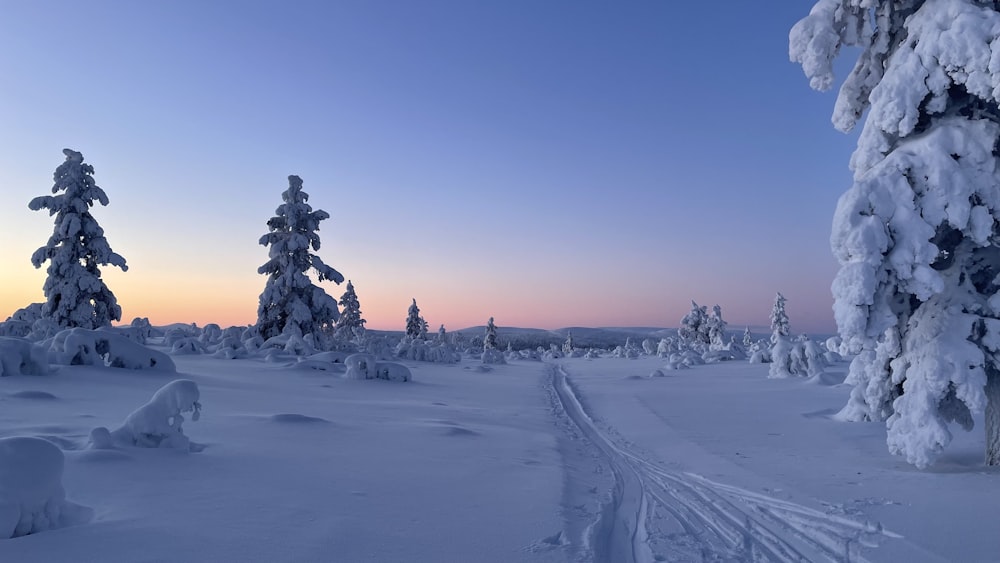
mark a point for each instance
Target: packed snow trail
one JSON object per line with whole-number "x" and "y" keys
{"x": 659, "y": 515}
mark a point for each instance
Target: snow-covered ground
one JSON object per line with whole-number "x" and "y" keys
{"x": 571, "y": 460}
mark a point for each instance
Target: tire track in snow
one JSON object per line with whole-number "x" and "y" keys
{"x": 690, "y": 518}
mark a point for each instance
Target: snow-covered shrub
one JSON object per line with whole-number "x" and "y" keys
{"x": 360, "y": 366}
{"x": 76, "y": 294}
{"x": 391, "y": 371}
{"x": 231, "y": 345}
{"x": 158, "y": 423}
{"x": 667, "y": 346}
{"x": 179, "y": 332}
{"x": 32, "y": 498}
{"x": 649, "y": 347}
{"x": 19, "y": 325}
{"x": 629, "y": 350}
{"x": 78, "y": 346}
{"x": 594, "y": 353}
{"x": 210, "y": 334}
{"x": 187, "y": 346}
{"x": 290, "y": 342}
{"x": 20, "y": 356}
{"x": 492, "y": 356}
{"x": 801, "y": 357}
{"x": 290, "y": 299}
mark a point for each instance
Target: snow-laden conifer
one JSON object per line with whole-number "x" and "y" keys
{"x": 75, "y": 293}
{"x": 291, "y": 304}
{"x": 491, "y": 349}
{"x": 694, "y": 330}
{"x": 747, "y": 338}
{"x": 350, "y": 323}
{"x": 916, "y": 236}
{"x": 414, "y": 322}
{"x": 779, "y": 318}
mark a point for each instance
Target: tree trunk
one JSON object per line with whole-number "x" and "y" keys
{"x": 992, "y": 417}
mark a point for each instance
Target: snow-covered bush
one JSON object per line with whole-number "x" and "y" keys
{"x": 211, "y": 334}
{"x": 187, "y": 346}
{"x": 391, "y": 371}
{"x": 75, "y": 293}
{"x": 365, "y": 366}
{"x": 158, "y": 423}
{"x": 20, "y": 356}
{"x": 78, "y": 346}
{"x": 32, "y": 498}
{"x": 801, "y": 357}
{"x": 291, "y": 342}
{"x": 290, "y": 302}
{"x": 19, "y": 325}
{"x": 360, "y": 366}
{"x": 916, "y": 235}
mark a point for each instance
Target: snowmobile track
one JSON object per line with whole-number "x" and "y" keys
{"x": 655, "y": 514}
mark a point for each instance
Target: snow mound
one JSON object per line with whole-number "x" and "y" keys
{"x": 19, "y": 356}
{"x": 79, "y": 346}
{"x": 365, "y": 366}
{"x": 32, "y": 498}
{"x": 293, "y": 418}
{"x": 157, "y": 424}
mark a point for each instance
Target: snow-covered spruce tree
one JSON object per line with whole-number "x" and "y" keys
{"x": 491, "y": 348}
{"x": 779, "y": 319}
{"x": 716, "y": 329}
{"x": 75, "y": 294}
{"x": 567, "y": 346}
{"x": 694, "y": 330}
{"x": 490, "y": 336}
{"x": 350, "y": 323}
{"x": 291, "y": 304}
{"x": 747, "y": 338}
{"x": 424, "y": 329}
{"x": 414, "y": 322}
{"x": 916, "y": 236}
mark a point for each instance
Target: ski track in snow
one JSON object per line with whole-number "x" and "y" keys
{"x": 655, "y": 514}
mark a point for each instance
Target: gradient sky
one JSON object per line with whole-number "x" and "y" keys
{"x": 549, "y": 163}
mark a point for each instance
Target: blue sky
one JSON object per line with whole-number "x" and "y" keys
{"x": 547, "y": 163}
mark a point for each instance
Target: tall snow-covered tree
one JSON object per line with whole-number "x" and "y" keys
{"x": 568, "y": 344}
{"x": 291, "y": 303}
{"x": 747, "y": 338}
{"x": 490, "y": 337}
{"x": 350, "y": 321}
{"x": 694, "y": 327}
{"x": 916, "y": 235}
{"x": 779, "y": 318}
{"x": 414, "y": 322}
{"x": 715, "y": 327}
{"x": 75, "y": 293}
